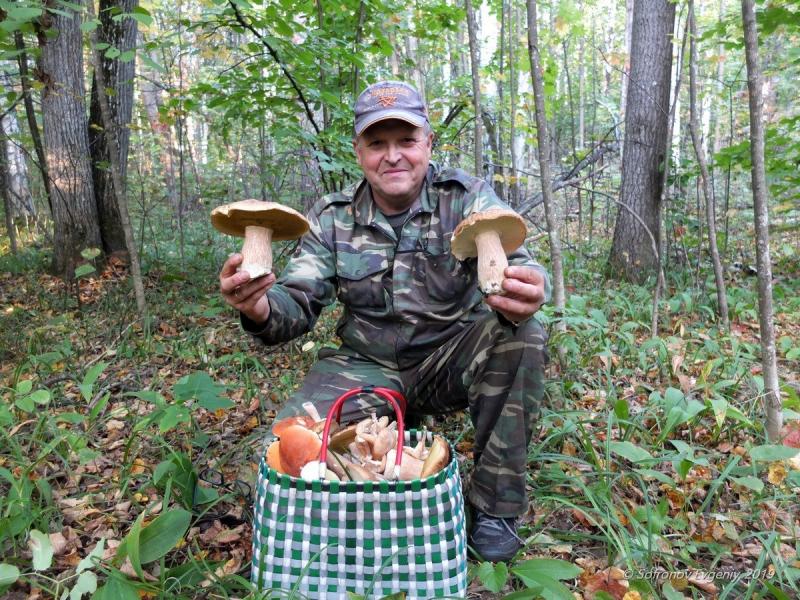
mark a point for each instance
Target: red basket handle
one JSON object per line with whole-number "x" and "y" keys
{"x": 394, "y": 398}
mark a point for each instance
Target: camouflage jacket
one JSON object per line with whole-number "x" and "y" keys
{"x": 402, "y": 297}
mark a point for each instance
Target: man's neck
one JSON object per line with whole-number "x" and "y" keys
{"x": 395, "y": 206}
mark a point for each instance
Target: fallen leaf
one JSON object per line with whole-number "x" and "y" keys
{"x": 611, "y": 581}
{"x": 777, "y": 473}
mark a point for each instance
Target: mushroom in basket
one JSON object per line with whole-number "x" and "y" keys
{"x": 365, "y": 451}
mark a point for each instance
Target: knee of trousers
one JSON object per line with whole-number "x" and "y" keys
{"x": 534, "y": 337}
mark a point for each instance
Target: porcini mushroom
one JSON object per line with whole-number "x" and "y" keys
{"x": 260, "y": 223}
{"x": 490, "y": 236}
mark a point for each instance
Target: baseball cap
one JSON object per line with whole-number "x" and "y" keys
{"x": 389, "y": 100}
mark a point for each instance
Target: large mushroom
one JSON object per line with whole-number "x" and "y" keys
{"x": 491, "y": 236}
{"x": 260, "y": 223}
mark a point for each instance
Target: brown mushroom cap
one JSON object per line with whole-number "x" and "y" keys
{"x": 508, "y": 225}
{"x": 437, "y": 459}
{"x": 285, "y": 223}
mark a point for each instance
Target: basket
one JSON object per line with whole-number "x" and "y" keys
{"x": 323, "y": 539}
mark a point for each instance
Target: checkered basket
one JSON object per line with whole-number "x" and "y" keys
{"x": 323, "y": 539}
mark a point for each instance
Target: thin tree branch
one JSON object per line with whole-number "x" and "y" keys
{"x": 309, "y": 113}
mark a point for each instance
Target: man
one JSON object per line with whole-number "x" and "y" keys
{"x": 414, "y": 319}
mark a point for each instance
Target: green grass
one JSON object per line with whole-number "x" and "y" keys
{"x": 643, "y": 461}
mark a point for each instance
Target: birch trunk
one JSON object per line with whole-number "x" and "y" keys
{"x": 5, "y": 190}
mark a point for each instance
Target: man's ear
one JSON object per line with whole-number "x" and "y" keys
{"x": 357, "y": 150}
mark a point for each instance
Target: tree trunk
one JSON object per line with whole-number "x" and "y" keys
{"x": 626, "y": 71}
{"x": 646, "y": 121}
{"x": 151, "y": 98}
{"x": 66, "y": 141}
{"x": 772, "y": 398}
{"x": 512, "y": 90}
{"x": 16, "y": 169}
{"x": 474, "y": 59}
{"x": 118, "y": 75}
{"x": 30, "y": 114}
{"x": 544, "y": 168}
{"x": 5, "y": 190}
{"x": 699, "y": 150}
{"x": 716, "y": 116}
{"x": 500, "y": 182}
{"x": 115, "y": 155}
{"x": 581, "y": 94}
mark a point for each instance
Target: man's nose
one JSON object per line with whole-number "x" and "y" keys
{"x": 393, "y": 153}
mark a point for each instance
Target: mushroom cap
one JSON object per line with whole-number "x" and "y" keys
{"x": 437, "y": 459}
{"x": 274, "y": 457}
{"x": 298, "y": 446}
{"x": 286, "y": 223}
{"x": 301, "y": 420}
{"x": 507, "y": 223}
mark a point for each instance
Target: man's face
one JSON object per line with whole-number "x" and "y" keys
{"x": 394, "y": 156}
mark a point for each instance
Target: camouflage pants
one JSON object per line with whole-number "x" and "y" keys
{"x": 491, "y": 369}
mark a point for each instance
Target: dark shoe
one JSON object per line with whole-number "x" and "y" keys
{"x": 494, "y": 538}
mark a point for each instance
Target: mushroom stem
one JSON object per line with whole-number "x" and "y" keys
{"x": 257, "y": 251}
{"x": 492, "y": 262}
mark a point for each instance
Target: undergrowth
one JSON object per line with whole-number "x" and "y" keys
{"x": 129, "y": 450}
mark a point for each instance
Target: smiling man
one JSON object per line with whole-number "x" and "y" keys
{"x": 414, "y": 319}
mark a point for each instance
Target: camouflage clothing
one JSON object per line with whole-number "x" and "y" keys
{"x": 414, "y": 321}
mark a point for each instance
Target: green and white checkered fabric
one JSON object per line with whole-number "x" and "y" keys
{"x": 323, "y": 539}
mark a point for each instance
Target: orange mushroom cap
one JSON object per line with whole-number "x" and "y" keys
{"x": 301, "y": 420}
{"x": 274, "y": 457}
{"x": 298, "y": 446}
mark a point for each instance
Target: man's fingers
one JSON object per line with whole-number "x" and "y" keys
{"x": 525, "y": 292}
{"x": 517, "y": 308}
{"x": 249, "y": 288}
{"x": 526, "y": 274}
{"x": 229, "y": 268}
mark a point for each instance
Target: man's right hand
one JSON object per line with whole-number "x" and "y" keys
{"x": 245, "y": 295}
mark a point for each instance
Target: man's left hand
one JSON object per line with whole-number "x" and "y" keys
{"x": 524, "y": 288}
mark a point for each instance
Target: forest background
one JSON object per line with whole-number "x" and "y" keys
{"x": 631, "y": 136}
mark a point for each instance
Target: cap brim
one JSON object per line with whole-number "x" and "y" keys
{"x": 402, "y": 115}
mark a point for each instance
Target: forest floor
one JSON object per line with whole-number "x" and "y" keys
{"x": 650, "y": 473}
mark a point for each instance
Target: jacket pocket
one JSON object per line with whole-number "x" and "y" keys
{"x": 445, "y": 278}
{"x": 360, "y": 278}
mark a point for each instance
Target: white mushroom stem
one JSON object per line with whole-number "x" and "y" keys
{"x": 257, "y": 251}
{"x": 492, "y": 262}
